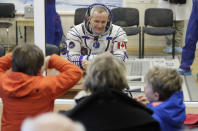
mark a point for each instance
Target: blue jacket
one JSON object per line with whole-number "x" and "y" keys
{"x": 53, "y": 27}
{"x": 188, "y": 52}
{"x": 170, "y": 113}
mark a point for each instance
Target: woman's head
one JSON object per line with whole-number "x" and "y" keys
{"x": 105, "y": 71}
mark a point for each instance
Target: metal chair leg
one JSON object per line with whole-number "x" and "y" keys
{"x": 173, "y": 46}
{"x": 7, "y": 30}
{"x": 142, "y": 44}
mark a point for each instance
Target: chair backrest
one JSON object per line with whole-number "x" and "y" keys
{"x": 52, "y": 49}
{"x": 158, "y": 17}
{"x": 7, "y": 10}
{"x": 2, "y": 51}
{"x": 125, "y": 16}
{"x": 79, "y": 15}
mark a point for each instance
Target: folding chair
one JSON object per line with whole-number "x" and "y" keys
{"x": 158, "y": 22}
{"x": 128, "y": 18}
{"x": 79, "y": 15}
{"x": 2, "y": 51}
{"x": 52, "y": 49}
{"x": 7, "y": 10}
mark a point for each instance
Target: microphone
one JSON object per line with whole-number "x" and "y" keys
{"x": 95, "y": 38}
{"x": 128, "y": 91}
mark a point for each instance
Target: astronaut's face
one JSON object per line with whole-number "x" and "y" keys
{"x": 98, "y": 21}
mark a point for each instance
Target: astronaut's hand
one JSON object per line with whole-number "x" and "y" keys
{"x": 84, "y": 64}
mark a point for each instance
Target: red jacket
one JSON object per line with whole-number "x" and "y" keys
{"x": 25, "y": 96}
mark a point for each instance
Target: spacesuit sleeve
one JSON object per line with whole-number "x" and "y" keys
{"x": 73, "y": 41}
{"x": 188, "y": 51}
{"x": 120, "y": 44}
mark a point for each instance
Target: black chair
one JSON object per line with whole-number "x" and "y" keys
{"x": 7, "y": 10}
{"x": 128, "y": 18}
{"x": 52, "y": 49}
{"x": 158, "y": 22}
{"x": 2, "y": 51}
{"x": 79, "y": 15}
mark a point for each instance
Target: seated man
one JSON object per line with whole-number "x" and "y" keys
{"x": 94, "y": 36}
{"x": 106, "y": 107}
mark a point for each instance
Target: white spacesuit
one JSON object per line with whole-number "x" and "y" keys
{"x": 84, "y": 44}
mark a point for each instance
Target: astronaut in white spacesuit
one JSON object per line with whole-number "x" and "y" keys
{"x": 96, "y": 35}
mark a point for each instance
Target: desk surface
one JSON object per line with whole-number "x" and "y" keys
{"x": 25, "y": 22}
{"x": 76, "y": 88}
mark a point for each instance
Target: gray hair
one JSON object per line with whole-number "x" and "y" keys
{"x": 99, "y": 9}
{"x": 105, "y": 71}
{"x": 51, "y": 122}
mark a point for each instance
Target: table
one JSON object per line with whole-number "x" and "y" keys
{"x": 25, "y": 23}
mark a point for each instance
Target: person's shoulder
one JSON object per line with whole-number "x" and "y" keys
{"x": 195, "y": 3}
{"x": 77, "y": 27}
{"x": 118, "y": 33}
{"x": 116, "y": 28}
{"x": 195, "y": 0}
{"x": 77, "y": 30}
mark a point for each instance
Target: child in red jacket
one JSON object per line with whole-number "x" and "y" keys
{"x": 24, "y": 91}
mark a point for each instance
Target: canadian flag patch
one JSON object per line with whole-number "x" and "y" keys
{"x": 121, "y": 45}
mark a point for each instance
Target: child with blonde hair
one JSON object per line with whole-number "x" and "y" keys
{"x": 163, "y": 90}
